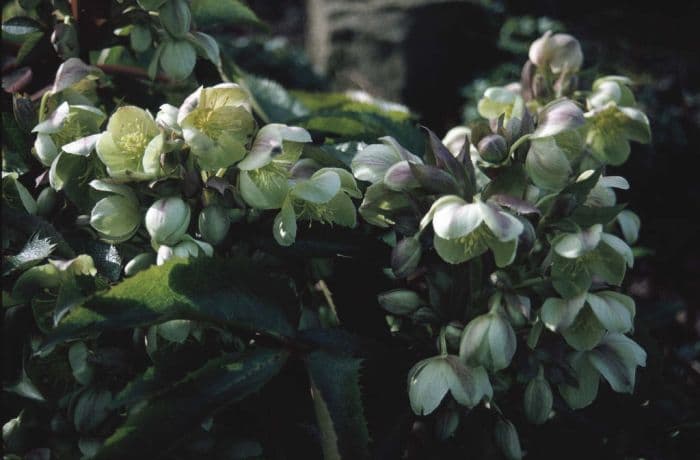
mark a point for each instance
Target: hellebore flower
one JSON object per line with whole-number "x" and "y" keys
{"x": 131, "y": 146}
{"x": 557, "y": 52}
{"x": 430, "y": 380}
{"x": 217, "y": 124}
{"x": 166, "y": 118}
{"x": 65, "y": 125}
{"x": 610, "y": 130}
{"x": 580, "y": 256}
{"x": 167, "y": 220}
{"x": 500, "y": 100}
{"x": 115, "y": 217}
{"x": 324, "y": 197}
{"x": 466, "y": 230}
{"x": 611, "y": 89}
{"x": 584, "y": 319}
{"x": 615, "y": 358}
{"x": 602, "y": 194}
{"x": 488, "y": 340}
{"x": 382, "y": 162}
{"x": 264, "y": 178}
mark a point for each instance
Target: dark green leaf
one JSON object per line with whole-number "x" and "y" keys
{"x": 206, "y": 289}
{"x": 271, "y": 101}
{"x": 213, "y": 13}
{"x": 154, "y": 429}
{"x": 335, "y": 390}
{"x": 586, "y": 216}
{"x": 28, "y": 45}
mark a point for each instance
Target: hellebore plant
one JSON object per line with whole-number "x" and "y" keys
{"x": 529, "y": 186}
{"x": 505, "y": 256}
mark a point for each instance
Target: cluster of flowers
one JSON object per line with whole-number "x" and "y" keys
{"x": 529, "y": 187}
{"x": 213, "y": 135}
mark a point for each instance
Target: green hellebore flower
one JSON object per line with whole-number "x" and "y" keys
{"x": 602, "y": 194}
{"x": 584, "y": 319}
{"x": 558, "y": 117}
{"x": 629, "y": 223}
{"x": 549, "y": 159}
{"x": 378, "y": 162}
{"x": 616, "y": 358}
{"x": 466, "y": 230}
{"x": 611, "y": 89}
{"x": 610, "y": 130}
{"x": 116, "y": 218}
{"x": 66, "y": 124}
{"x": 499, "y": 100}
{"x": 130, "y": 148}
{"x": 264, "y": 178}
{"x": 324, "y": 197}
{"x": 185, "y": 249}
{"x": 580, "y": 256}
{"x": 558, "y": 52}
{"x": 488, "y": 340}
{"x": 167, "y": 220}
{"x": 430, "y": 380}
{"x": 217, "y": 124}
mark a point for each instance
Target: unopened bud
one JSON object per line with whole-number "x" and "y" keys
{"x": 493, "y": 149}
{"x": 400, "y": 301}
{"x": 507, "y": 440}
{"x": 167, "y": 220}
{"x": 213, "y": 224}
{"x": 138, "y": 263}
{"x": 405, "y": 256}
{"x": 538, "y": 400}
{"x": 489, "y": 341}
{"x": 453, "y": 334}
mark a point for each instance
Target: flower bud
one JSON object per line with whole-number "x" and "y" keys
{"x": 400, "y": 301}
{"x": 493, "y": 149}
{"x": 540, "y": 88}
{"x": 213, "y": 224}
{"x": 138, "y": 263}
{"x": 167, "y": 220}
{"x": 176, "y": 17}
{"x": 46, "y": 201}
{"x": 185, "y": 249}
{"x": 538, "y": 400}
{"x": 558, "y": 51}
{"x": 453, "y": 334}
{"x": 488, "y": 340}
{"x": 405, "y": 256}
{"x": 507, "y": 440}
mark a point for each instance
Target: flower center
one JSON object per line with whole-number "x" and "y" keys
{"x": 134, "y": 142}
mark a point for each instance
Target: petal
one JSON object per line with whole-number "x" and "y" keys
{"x": 557, "y": 117}
{"x": 400, "y": 177}
{"x": 504, "y": 226}
{"x": 284, "y": 228}
{"x": 615, "y": 311}
{"x": 459, "y": 250}
{"x": 83, "y": 146}
{"x": 320, "y": 188}
{"x": 620, "y": 247}
{"x": 371, "y": 163}
{"x": 55, "y": 121}
{"x": 559, "y": 314}
{"x": 573, "y": 245}
{"x": 344, "y": 212}
{"x": 452, "y": 220}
